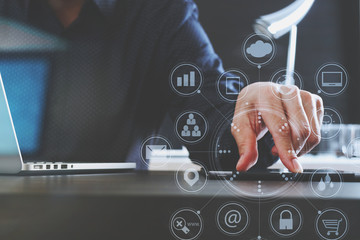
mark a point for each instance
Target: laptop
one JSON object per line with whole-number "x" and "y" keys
{"x": 26, "y": 65}
{"x": 11, "y": 159}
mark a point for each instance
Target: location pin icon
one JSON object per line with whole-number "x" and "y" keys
{"x": 188, "y": 180}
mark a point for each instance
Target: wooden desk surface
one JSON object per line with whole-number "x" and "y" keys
{"x": 140, "y": 205}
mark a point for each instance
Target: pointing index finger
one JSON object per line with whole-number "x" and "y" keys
{"x": 280, "y": 128}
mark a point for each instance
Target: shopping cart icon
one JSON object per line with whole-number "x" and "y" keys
{"x": 332, "y": 225}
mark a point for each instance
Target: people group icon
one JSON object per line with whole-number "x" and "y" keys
{"x": 196, "y": 132}
{"x": 191, "y": 123}
{"x": 185, "y": 132}
{"x": 191, "y": 120}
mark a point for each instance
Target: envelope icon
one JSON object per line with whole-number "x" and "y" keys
{"x": 152, "y": 149}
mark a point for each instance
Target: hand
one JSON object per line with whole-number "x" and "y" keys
{"x": 292, "y": 116}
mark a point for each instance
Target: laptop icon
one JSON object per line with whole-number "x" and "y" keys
{"x": 332, "y": 79}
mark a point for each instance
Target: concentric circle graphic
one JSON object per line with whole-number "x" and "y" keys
{"x": 331, "y": 124}
{"x": 186, "y": 79}
{"x": 286, "y": 220}
{"x": 191, "y": 178}
{"x": 331, "y": 224}
{"x": 326, "y": 183}
{"x": 232, "y": 218}
{"x": 331, "y": 79}
{"x": 285, "y": 82}
{"x": 155, "y": 147}
{"x": 230, "y": 83}
{"x": 191, "y": 127}
{"x": 225, "y": 157}
{"x": 186, "y": 224}
{"x": 353, "y": 149}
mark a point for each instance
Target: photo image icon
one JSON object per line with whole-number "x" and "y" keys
{"x": 233, "y": 85}
{"x": 230, "y": 83}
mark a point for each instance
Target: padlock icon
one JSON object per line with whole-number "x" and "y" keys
{"x": 286, "y": 223}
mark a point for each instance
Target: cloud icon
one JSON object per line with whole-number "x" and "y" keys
{"x": 259, "y": 49}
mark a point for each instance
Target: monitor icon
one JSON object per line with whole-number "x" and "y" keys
{"x": 332, "y": 79}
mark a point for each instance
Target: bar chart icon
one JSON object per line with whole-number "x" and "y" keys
{"x": 187, "y": 80}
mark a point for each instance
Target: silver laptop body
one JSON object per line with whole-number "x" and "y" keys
{"x": 11, "y": 161}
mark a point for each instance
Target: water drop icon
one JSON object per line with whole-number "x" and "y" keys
{"x": 327, "y": 178}
{"x": 331, "y": 184}
{"x": 321, "y": 186}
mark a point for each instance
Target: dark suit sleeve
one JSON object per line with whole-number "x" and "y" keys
{"x": 185, "y": 41}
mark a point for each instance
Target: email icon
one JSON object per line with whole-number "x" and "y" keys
{"x": 151, "y": 150}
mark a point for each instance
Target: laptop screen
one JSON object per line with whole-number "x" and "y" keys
{"x": 25, "y": 83}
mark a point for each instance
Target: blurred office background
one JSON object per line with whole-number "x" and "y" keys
{"x": 329, "y": 33}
